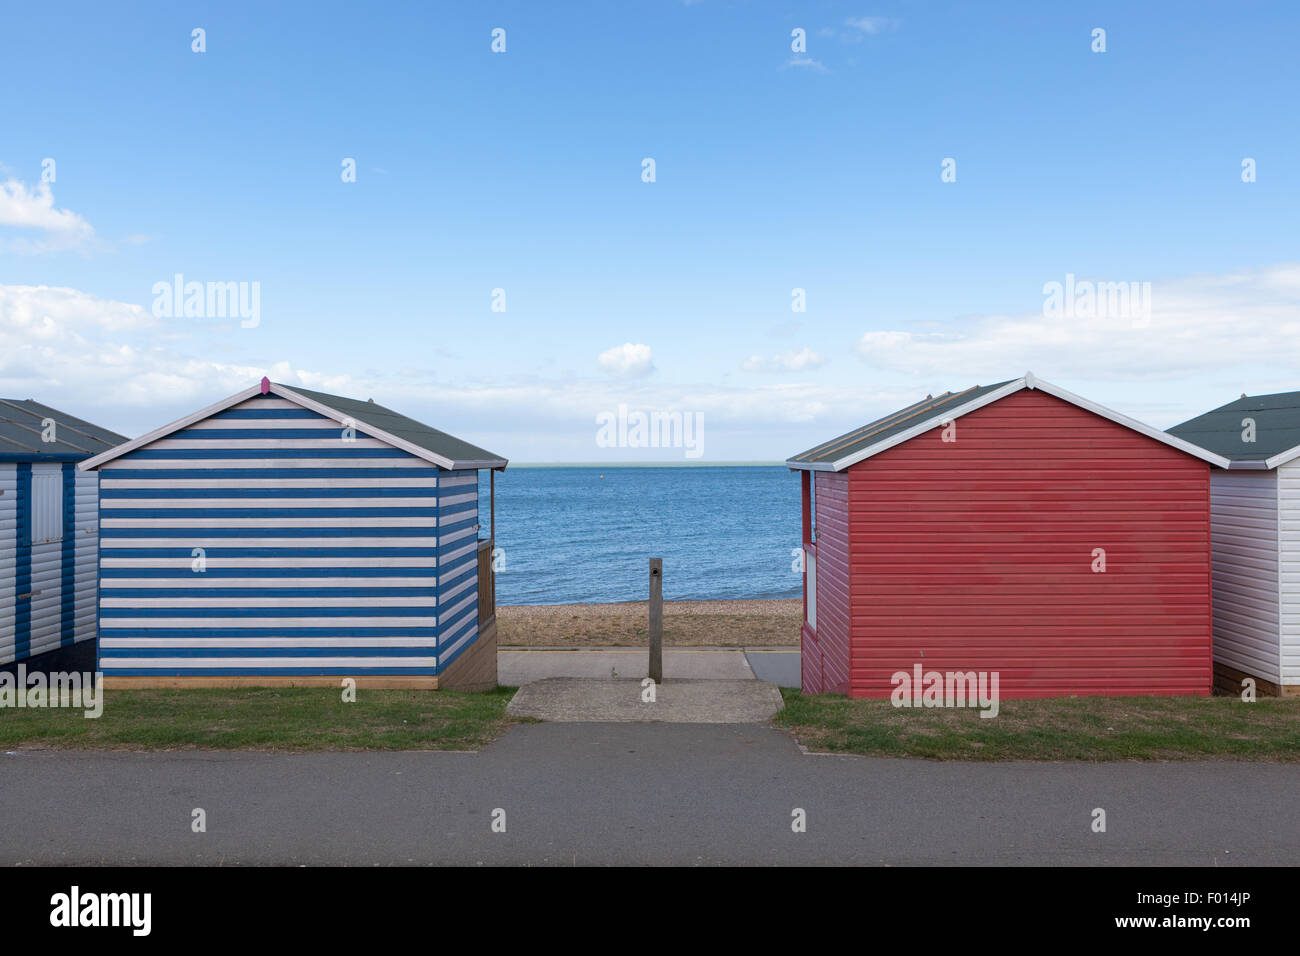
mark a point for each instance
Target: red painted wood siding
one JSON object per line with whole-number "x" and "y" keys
{"x": 977, "y": 555}
{"x": 831, "y": 640}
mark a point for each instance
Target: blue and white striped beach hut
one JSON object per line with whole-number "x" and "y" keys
{"x": 48, "y": 536}
{"x": 286, "y": 536}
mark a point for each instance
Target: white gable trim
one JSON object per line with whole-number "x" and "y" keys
{"x": 1028, "y": 381}
{"x": 1282, "y": 457}
{"x": 300, "y": 400}
{"x": 91, "y": 463}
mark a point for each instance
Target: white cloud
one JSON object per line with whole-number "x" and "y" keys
{"x": 1208, "y": 339}
{"x": 116, "y": 364}
{"x": 1195, "y": 325}
{"x": 21, "y": 208}
{"x": 627, "y": 361}
{"x": 871, "y": 25}
{"x": 796, "y": 361}
{"x": 806, "y": 63}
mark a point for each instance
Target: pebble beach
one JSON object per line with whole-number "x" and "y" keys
{"x": 747, "y": 623}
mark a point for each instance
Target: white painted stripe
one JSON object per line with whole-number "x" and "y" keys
{"x": 337, "y": 441}
{"x": 321, "y": 562}
{"x": 451, "y": 556}
{"x": 224, "y": 522}
{"x": 452, "y": 610}
{"x": 242, "y": 602}
{"x": 461, "y": 570}
{"x": 207, "y": 581}
{"x": 457, "y": 535}
{"x": 470, "y": 581}
{"x": 457, "y": 479}
{"x": 260, "y": 483}
{"x": 457, "y": 641}
{"x": 264, "y": 663}
{"x": 228, "y": 423}
{"x": 287, "y": 642}
{"x": 199, "y": 464}
{"x": 113, "y": 504}
{"x": 201, "y": 542}
{"x": 159, "y": 623}
{"x": 261, "y": 402}
{"x": 458, "y": 499}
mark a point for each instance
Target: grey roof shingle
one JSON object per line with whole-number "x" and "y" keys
{"x": 1277, "y": 427}
{"x": 860, "y": 439}
{"x": 407, "y": 429}
{"x": 75, "y": 439}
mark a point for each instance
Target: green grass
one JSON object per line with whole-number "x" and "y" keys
{"x": 282, "y": 718}
{"x": 1070, "y": 728}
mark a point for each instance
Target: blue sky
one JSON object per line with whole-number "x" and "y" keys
{"x": 522, "y": 171}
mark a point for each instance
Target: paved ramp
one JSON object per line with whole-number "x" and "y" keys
{"x": 570, "y": 699}
{"x": 778, "y": 665}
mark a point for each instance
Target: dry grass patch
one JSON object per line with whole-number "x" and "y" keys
{"x": 755, "y": 623}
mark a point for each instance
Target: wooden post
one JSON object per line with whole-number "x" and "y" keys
{"x": 657, "y": 620}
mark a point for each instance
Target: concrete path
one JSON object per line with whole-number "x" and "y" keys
{"x": 780, "y": 666}
{"x": 675, "y": 700}
{"x": 518, "y": 666}
{"x": 623, "y": 793}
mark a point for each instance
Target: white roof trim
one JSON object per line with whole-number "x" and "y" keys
{"x": 1282, "y": 457}
{"x": 157, "y": 433}
{"x": 379, "y": 433}
{"x": 1027, "y": 381}
{"x": 301, "y": 400}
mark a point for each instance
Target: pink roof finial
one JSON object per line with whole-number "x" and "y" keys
{"x": 266, "y": 384}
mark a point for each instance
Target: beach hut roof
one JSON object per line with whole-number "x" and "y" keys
{"x": 934, "y": 411}
{"x": 22, "y": 427}
{"x": 1276, "y": 432}
{"x": 443, "y": 450}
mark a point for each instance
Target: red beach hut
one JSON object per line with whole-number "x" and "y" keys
{"x": 1013, "y": 529}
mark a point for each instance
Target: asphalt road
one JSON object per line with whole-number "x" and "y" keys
{"x": 636, "y": 794}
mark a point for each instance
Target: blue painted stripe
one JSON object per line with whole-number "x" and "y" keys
{"x": 201, "y": 493}
{"x": 68, "y": 567}
{"x": 240, "y": 434}
{"x": 112, "y": 592}
{"x": 341, "y": 512}
{"x": 23, "y": 572}
{"x": 454, "y": 517}
{"x": 235, "y": 414}
{"x": 453, "y": 546}
{"x": 271, "y": 671}
{"x": 259, "y": 453}
{"x": 450, "y": 625}
{"x": 109, "y": 653}
{"x": 448, "y": 526}
{"x": 264, "y": 612}
{"x": 288, "y": 634}
{"x": 372, "y": 552}
{"x": 187, "y": 572}
{"x": 165, "y": 474}
{"x": 264, "y": 532}
{"x": 454, "y": 575}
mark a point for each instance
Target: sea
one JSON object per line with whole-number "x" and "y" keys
{"x": 585, "y": 534}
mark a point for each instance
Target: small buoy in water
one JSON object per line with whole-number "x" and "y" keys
{"x": 602, "y": 476}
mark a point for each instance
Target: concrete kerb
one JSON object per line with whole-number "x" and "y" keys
{"x": 576, "y": 699}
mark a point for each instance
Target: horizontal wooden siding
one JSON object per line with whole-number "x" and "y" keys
{"x": 977, "y": 555}
{"x": 322, "y": 551}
